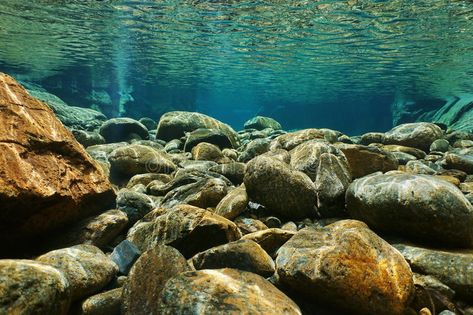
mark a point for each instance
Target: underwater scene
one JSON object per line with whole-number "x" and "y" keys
{"x": 236, "y": 157}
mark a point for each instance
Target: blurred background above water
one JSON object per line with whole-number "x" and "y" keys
{"x": 353, "y": 65}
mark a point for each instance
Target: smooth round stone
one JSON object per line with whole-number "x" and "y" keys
{"x": 123, "y": 129}
{"x": 419, "y": 207}
{"x": 439, "y": 145}
{"x": 417, "y": 135}
{"x": 149, "y": 123}
{"x": 86, "y": 268}
{"x": 223, "y": 291}
{"x": 31, "y": 287}
{"x": 261, "y": 122}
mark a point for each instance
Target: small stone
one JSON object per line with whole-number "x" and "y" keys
{"x": 459, "y": 162}
{"x": 242, "y": 254}
{"x": 212, "y": 136}
{"x": 439, "y": 145}
{"x": 105, "y": 303}
{"x": 206, "y": 152}
{"x": 124, "y": 255}
{"x": 289, "y": 226}
{"x": 270, "y": 239}
{"x": 234, "y": 171}
{"x": 261, "y": 122}
{"x": 149, "y": 123}
{"x": 134, "y": 204}
{"x": 249, "y": 225}
{"x": 272, "y": 222}
{"x": 123, "y": 129}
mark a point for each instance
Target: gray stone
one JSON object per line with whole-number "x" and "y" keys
{"x": 124, "y": 255}
{"x": 261, "y": 122}
{"x": 418, "y": 135}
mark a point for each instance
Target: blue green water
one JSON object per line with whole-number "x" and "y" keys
{"x": 337, "y": 64}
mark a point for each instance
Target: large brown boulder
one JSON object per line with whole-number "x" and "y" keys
{"x": 46, "y": 177}
{"x": 347, "y": 266}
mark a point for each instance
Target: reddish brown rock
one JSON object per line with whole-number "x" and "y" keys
{"x": 46, "y": 177}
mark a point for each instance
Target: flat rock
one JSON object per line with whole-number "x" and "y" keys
{"x": 418, "y": 135}
{"x": 174, "y": 125}
{"x": 419, "y": 207}
{"x": 261, "y": 122}
{"x": 244, "y": 255}
{"x": 187, "y": 228}
{"x": 277, "y": 186}
{"x": 86, "y": 267}
{"x": 346, "y": 265}
{"x": 223, "y": 291}
{"x": 453, "y": 268}
{"x": 148, "y": 277}
{"x": 47, "y": 178}
{"x": 30, "y": 287}
{"x": 123, "y": 129}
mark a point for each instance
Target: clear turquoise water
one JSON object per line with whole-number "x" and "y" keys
{"x": 338, "y": 64}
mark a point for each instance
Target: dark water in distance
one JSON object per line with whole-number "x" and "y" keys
{"x": 337, "y": 64}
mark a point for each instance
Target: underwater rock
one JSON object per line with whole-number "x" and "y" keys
{"x": 453, "y": 268}
{"x": 420, "y": 207}
{"x": 460, "y": 162}
{"x": 71, "y": 116}
{"x": 149, "y": 123}
{"x": 234, "y": 171}
{"x": 418, "y": 135}
{"x": 134, "y": 204}
{"x": 213, "y": 136}
{"x": 372, "y": 137}
{"x": 290, "y": 140}
{"x": 147, "y": 178}
{"x": 124, "y": 256}
{"x": 223, "y": 291}
{"x": 98, "y": 230}
{"x": 134, "y": 159}
{"x": 270, "y": 239}
{"x": 418, "y": 154}
{"x": 174, "y": 125}
{"x": 205, "y": 193}
{"x": 439, "y": 145}
{"x": 430, "y": 292}
{"x": 48, "y": 179}
{"x": 186, "y": 228}
{"x": 206, "y": 152}
{"x": 123, "y": 129}
{"x": 244, "y": 255}
{"x": 148, "y": 277}
{"x": 280, "y": 188}
{"x": 31, "y": 287}
{"x": 88, "y": 138}
{"x": 105, "y": 303}
{"x": 254, "y": 148}
{"x": 364, "y": 160}
{"x": 86, "y": 267}
{"x": 249, "y": 225}
{"x": 346, "y": 265}
{"x": 418, "y": 167}
{"x": 233, "y": 204}
{"x": 261, "y": 122}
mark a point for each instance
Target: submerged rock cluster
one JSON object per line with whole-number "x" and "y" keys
{"x": 207, "y": 220}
